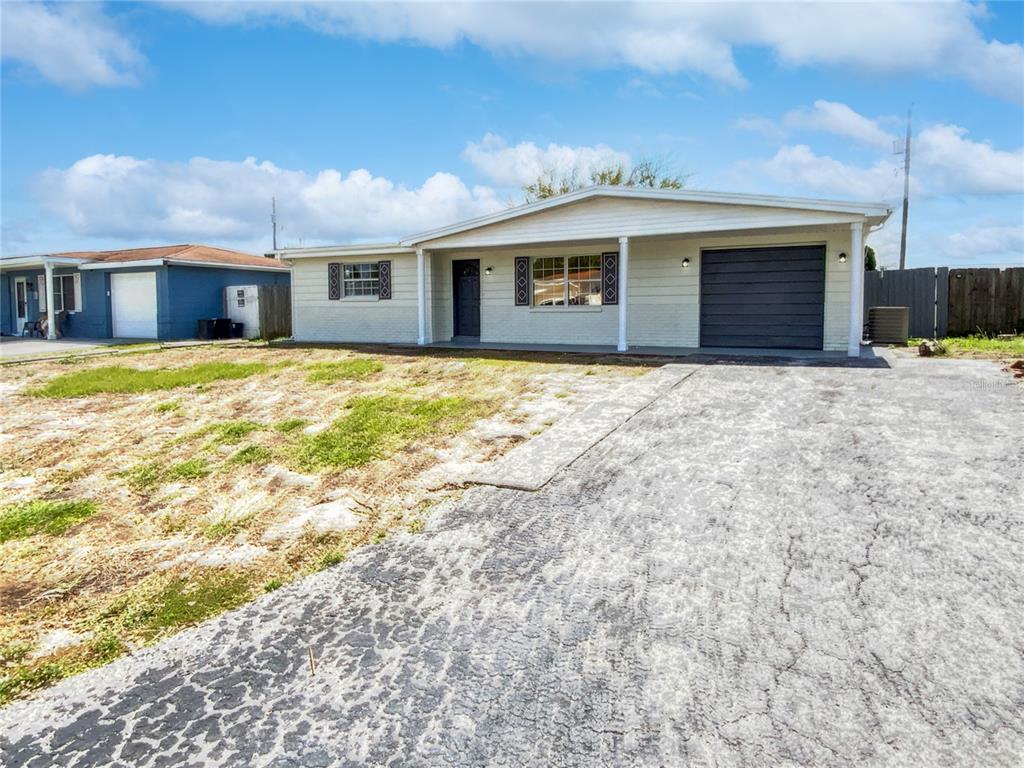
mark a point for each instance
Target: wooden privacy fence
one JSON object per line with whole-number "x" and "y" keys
{"x": 275, "y": 311}
{"x": 946, "y": 301}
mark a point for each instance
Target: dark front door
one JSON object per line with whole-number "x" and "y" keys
{"x": 763, "y": 297}
{"x": 466, "y": 296}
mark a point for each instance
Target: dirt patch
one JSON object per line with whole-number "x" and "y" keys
{"x": 210, "y": 477}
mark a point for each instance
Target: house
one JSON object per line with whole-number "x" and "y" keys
{"x": 606, "y": 267}
{"x": 140, "y": 293}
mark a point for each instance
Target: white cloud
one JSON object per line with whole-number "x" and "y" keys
{"x": 839, "y": 119}
{"x": 516, "y": 166}
{"x": 984, "y": 243}
{"x": 884, "y": 38}
{"x": 70, "y": 44}
{"x": 224, "y": 201}
{"x": 800, "y": 170}
{"x": 824, "y": 117}
{"x": 955, "y": 165}
{"x": 944, "y": 161}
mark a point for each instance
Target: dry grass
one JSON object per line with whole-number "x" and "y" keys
{"x": 202, "y": 495}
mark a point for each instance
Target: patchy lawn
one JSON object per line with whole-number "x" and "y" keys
{"x": 982, "y": 347}
{"x": 143, "y": 497}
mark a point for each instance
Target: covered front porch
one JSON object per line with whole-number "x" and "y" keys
{"x": 655, "y": 305}
{"x": 35, "y": 291}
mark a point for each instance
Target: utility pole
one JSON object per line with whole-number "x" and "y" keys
{"x": 906, "y": 195}
{"x": 273, "y": 218}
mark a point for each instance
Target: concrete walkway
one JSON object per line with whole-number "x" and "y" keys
{"x": 767, "y": 565}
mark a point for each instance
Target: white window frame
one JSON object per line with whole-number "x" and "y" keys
{"x": 41, "y": 291}
{"x": 565, "y": 305}
{"x": 76, "y": 287}
{"x": 348, "y": 284}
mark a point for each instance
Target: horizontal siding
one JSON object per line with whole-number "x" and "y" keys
{"x": 316, "y": 318}
{"x": 616, "y": 217}
{"x": 664, "y": 298}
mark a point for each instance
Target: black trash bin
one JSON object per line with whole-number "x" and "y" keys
{"x": 204, "y": 328}
{"x": 237, "y": 330}
{"x": 222, "y": 328}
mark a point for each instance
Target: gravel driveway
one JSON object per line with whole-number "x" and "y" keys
{"x": 770, "y": 565}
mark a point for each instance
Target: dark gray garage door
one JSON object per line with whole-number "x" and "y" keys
{"x": 763, "y": 297}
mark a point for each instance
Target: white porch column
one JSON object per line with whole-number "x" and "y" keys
{"x": 623, "y": 291}
{"x": 421, "y": 295}
{"x": 51, "y": 330}
{"x": 856, "y": 282}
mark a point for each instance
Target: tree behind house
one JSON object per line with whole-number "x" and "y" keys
{"x": 651, "y": 174}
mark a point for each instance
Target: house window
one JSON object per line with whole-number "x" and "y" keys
{"x": 560, "y": 281}
{"x": 361, "y": 279}
{"x": 64, "y": 297}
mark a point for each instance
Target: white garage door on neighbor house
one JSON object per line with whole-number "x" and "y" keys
{"x": 133, "y": 305}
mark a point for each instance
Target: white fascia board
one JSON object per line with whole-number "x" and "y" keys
{"x": 143, "y": 263}
{"x": 30, "y": 262}
{"x": 662, "y": 231}
{"x": 272, "y": 265}
{"x": 122, "y": 264}
{"x": 868, "y": 210}
{"x": 342, "y": 251}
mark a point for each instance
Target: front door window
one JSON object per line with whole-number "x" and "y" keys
{"x": 21, "y": 298}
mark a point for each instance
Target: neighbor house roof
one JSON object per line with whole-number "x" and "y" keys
{"x": 156, "y": 256}
{"x": 175, "y": 254}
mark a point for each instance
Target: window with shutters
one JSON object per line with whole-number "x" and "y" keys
{"x": 361, "y": 279}
{"x": 560, "y": 281}
{"x": 64, "y": 294}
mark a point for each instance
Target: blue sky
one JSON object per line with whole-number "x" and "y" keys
{"x": 132, "y": 124}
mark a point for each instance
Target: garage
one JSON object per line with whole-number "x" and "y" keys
{"x": 763, "y": 297}
{"x": 133, "y": 305}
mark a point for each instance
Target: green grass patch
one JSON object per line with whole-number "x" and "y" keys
{"x": 142, "y": 477}
{"x": 155, "y": 608}
{"x": 251, "y": 454}
{"x": 121, "y": 379}
{"x": 169, "y": 406}
{"x": 222, "y": 529}
{"x": 983, "y": 346}
{"x": 21, "y": 679}
{"x": 273, "y": 584}
{"x": 192, "y": 469}
{"x": 28, "y": 518}
{"x": 375, "y": 427}
{"x": 290, "y": 425}
{"x": 223, "y": 432}
{"x": 343, "y": 370}
{"x": 329, "y": 558}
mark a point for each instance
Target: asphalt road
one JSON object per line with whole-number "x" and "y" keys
{"x": 769, "y": 565}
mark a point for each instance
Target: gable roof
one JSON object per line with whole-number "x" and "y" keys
{"x": 874, "y": 212}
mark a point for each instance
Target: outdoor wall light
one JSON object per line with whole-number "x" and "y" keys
{"x": 686, "y": 263}
{"x": 488, "y": 270}
{"x": 842, "y": 258}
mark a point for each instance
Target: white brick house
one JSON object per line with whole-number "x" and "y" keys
{"x": 606, "y": 267}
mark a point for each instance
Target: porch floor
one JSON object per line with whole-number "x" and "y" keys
{"x": 867, "y": 353}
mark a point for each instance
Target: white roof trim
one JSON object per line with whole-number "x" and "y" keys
{"x": 275, "y": 267}
{"x": 365, "y": 249}
{"x": 28, "y": 262}
{"x": 869, "y": 210}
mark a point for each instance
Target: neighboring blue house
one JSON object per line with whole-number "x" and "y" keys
{"x": 142, "y": 293}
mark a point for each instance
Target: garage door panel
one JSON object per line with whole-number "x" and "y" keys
{"x": 754, "y": 265}
{"x": 763, "y": 297}
{"x": 133, "y": 305}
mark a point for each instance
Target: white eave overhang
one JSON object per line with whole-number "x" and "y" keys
{"x": 345, "y": 251}
{"x": 38, "y": 262}
{"x": 873, "y": 213}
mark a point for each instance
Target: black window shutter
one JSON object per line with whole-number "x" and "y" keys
{"x": 384, "y": 270}
{"x": 610, "y": 278}
{"x": 334, "y": 281}
{"x": 522, "y": 281}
